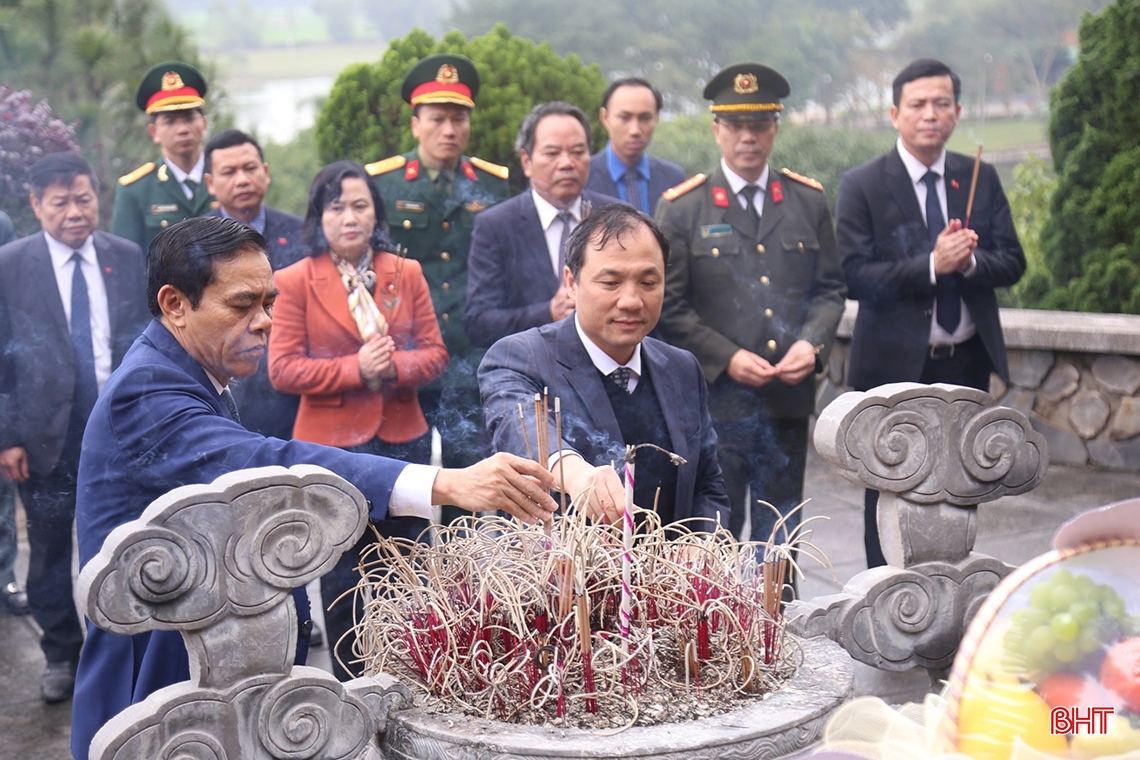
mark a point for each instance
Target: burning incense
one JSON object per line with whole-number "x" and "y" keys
{"x": 973, "y": 185}
{"x": 626, "y": 609}
{"x": 526, "y": 436}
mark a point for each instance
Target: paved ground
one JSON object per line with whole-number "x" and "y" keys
{"x": 1013, "y": 529}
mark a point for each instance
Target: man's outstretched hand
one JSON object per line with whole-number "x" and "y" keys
{"x": 515, "y": 485}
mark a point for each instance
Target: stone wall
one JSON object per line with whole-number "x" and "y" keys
{"x": 1075, "y": 375}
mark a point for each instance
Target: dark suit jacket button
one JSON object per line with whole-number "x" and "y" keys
{"x": 928, "y": 312}
{"x": 306, "y": 628}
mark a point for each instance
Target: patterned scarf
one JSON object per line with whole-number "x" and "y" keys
{"x": 360, "y": 281}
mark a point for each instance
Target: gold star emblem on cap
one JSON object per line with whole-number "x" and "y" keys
{"x": 447, "y": 74}
{"x": 745, "y": 84}
{"x": 171, "y": 81}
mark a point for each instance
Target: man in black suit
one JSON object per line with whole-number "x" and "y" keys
{"x": 923, "y": 269}
{"x": 623, "y": 169}
{"x": 616, "y": 386}
{"x": 71, "y": 302}
{"x": 514, "y": 278}
{"x": 237, "y": 175}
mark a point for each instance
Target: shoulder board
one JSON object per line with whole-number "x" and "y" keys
{"x": 678, "y": 190}
{"x": 494, "y": 170}
{"x": 137, "y": 174}
{"x": 812, "y": 183}
{"x": 383, "y": 167}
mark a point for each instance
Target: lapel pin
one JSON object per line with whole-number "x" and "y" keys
{"x": 720, "y": 197}
{"x": 777, "y": 191}
{"x": 282, "y": 241}
{"x": 954, "y": 184}
{"x": 106, "y": 270}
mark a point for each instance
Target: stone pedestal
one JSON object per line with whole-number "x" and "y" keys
{"x": 934, "y": 452}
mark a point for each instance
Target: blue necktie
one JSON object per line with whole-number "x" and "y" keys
{"x": 86, "y": 387}
{"x": 633, "y": 188}
{"x": 947, "y": 302}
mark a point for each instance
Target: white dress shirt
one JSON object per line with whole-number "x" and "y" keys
{"x": 917, "y": 170}
{"x": 96, "y": 296}
{"x": 195, "y": 174}
{"x": 552, "y": 225}
{"x": 738, "y": 183}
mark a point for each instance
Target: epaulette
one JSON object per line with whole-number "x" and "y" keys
{"x": 383, "y": 167}
{"x": 678, "y": 190}
{"x": 137, "y": 174}
{"x": 812, "y": 183}
{"x": 494, "y": 170}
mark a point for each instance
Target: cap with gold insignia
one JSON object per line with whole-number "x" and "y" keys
{"x": 442, "y": 78}
{"x": 747, "y": 91}
{"x": 171, "y": 86}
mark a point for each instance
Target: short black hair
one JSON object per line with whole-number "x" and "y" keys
{"x": 185, "y": 255}
{"x": 525, "y": 138}
{"x": 326, "y": 189}
{"x": 604, "y": 224}
{"x": 59, "y": 169}
{"x": 230, "y": 138}
{"x": 632, "y": 82}
{"x": 920, "y": 69}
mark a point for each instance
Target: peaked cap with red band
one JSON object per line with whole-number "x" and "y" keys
{"x": 171, "y": 86}
{"x": 442, "y": 78}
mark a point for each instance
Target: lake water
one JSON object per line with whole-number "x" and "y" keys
{"x": 280, "y": 108}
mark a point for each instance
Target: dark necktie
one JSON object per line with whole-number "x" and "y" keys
{"x": 191, "y": 185}
{"x": 620, "y": 377}
{"x": 749, "y": 193}
{"x": 86, "y": 386}
{"x": 443, "y": 182}
{"x": 947, "y": 302}
{"x": 633, "y": 188}
{"x": 231, "y": 405}
{"x": 567, "y": 219}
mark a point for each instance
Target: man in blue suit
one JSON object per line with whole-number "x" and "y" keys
{"x": 166, "y": 419}
{"x": 237, "y": 175}
{"x": 615, "y": 385}
{"x": 630, "y": 108}
{"x": 514, "y": 271}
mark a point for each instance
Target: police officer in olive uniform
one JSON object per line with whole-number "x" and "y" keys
{"x": 432, "y": 196}
{"x": 160, "y": 193}
{"x": 754, "y": 288}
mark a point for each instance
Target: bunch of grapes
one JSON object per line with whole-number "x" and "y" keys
{"x": 1069, "y": 619}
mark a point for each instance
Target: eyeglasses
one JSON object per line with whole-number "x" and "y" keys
{"x": 756, "y": 127}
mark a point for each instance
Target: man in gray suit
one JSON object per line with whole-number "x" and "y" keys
{"x": 514, "y": 271}
{"x": 71, "y": 302}
{"x": 623, "y": 169}
{"x": 615, "y": 385}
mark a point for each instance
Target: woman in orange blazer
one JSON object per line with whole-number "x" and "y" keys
{"x": 354, "y": 333}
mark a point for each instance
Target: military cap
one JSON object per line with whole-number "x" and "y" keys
{"x": 747, "y": 91}
{"x": 171, "y": 86}
{"x": 442, "y": 78}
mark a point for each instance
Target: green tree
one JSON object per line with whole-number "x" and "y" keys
{"x": 1030, "y": 194}
{"x": 87, "y": 57}
{"x": 28, "y": 131}
{"x": 364, "y": 118}
{"x": 679, "y": 44}
{"x": 1091, "y": 242}
{"x": 292, "y": 167}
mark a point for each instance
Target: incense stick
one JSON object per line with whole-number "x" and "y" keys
{"x": 973, "y": 185}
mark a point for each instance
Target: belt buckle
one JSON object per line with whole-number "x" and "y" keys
{"x": 942, "y": 350}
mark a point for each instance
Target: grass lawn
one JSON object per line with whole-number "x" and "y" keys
{"x": 320, "y": 59}
{"x": 999, "y": 134}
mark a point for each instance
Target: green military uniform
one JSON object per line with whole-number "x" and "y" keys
{"x": 150, "y": 199}
{"x": 435, "y": 227}
{"x": 736, "y": 282}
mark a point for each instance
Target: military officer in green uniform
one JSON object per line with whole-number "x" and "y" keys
{"x": 432, "y": 196}
{"x": 160, "y": 193}
{"x": 755, "y": 289}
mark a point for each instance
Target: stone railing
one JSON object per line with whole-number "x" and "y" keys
{"x": 934, "y": 452}
{"x": 1074, "y": 375}
{"x": 218, "y": 563}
